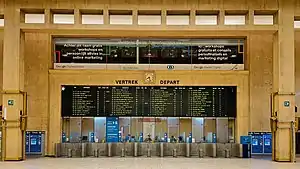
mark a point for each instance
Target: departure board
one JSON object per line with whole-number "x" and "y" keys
{"x": 149, "y": 101}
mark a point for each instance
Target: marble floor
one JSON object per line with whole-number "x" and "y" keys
{"x": 147, "y": 163}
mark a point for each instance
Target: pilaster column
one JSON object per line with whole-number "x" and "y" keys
{"x": 13, "y": 83}
{"x": 284, "y": 84}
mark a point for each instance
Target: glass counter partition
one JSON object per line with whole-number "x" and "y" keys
{"x": 151, "y": 129}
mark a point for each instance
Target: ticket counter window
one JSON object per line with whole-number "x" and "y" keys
{"x": 66, "y": 130}
{"x": 231, "y": 129}
{"x": 99, "y": 129}
{"x": 222, "y": 130}
{"x": 124, "y": 127}
{"x": 185, "y": 129}
{"x": 198, "y": 129}
{"x": 149, "y": 126}
{"x": 210, "y": 130}
{"x": 75, "y": 129}
{"x": 161, "y": 129}
{"x": 136, "y": 128}
{"x": 173, "y": 128}
{"x": 87, "y": 130}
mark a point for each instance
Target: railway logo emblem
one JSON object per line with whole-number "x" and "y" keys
{"x": 170, "y": 67}
{"x": 149, "y": 78}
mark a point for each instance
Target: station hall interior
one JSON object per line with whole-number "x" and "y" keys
{"x": 91, "y": 83}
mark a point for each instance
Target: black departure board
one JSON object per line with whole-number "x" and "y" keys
{"x": 150, "y": 101}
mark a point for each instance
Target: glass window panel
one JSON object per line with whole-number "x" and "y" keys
{"x": 231, "y": 130}
{"x": 209, "y": 129}
{"x": 161, "y": 127}
{"x": 185, "y": 128}
{"x": 34, "y": 18}
{"x": 1, "y": 22}
{"x": 222, "y": 130}
{"x": 75, "y": 129}
{"x": 235, "y": 20}
{"x": 173, "y": 127}
{"x": 88, "y": 130}
{"x": 149, "y": 128}
{"x": 124, "y": 124}
{"x": 120, "y": 19}
{"x": 63, "y": 19}
{"x": 178, "y": 20}
{"x": 66, "y": 130}
{"x": 92, "y": 19}
{"x": 100, "y": 129}
{"x": 149, "y": 20}
{"x": 206, "y": 20}
{"x": 263, "y": 19}
{"x": 198, "y": 129}
{"x": 136, "y": 127}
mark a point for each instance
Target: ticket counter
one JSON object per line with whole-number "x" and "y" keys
{"x": 141, "y": 129}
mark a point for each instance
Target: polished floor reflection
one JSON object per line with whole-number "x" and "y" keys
{"x": 148, "y": 163}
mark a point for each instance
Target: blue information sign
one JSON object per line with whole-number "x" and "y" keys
{"x": 112, "y": 129}
{"x": 166, "y": 137}
{"x": 214, "y": 138}
{"x": 267, "y": 143}
{"x": 261, "y": 142}
{"x": 33, "y": 143}
{"x": 190, "y": 137}
{"x": 245, "y": 139}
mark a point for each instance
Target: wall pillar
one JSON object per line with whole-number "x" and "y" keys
{"x": 283, "y": 84}
{"x": 13, "y": 83}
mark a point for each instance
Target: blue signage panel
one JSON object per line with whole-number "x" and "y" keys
{"x": 245, "y": 140}
{"x": 91, "y": 137}
{"x": 257, "y": 143}
{"x": 190, "y": 137}
{"x": 267, "y": 143}
{"x": 214, "y": 138}
{"x": 112, "y": 129}
{"x": 166, "y": 137}
{"x": 141, "y": 137}
{"x": 27, "y": 142}
{"x": 33, "y": 143}
{"x": 36, "y": 142}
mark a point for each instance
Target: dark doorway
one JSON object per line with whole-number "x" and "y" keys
{"x": 298, "y": 143}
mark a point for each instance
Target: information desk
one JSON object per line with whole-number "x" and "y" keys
{"x": 149, "y": 101}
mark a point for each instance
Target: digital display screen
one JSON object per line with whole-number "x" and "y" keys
{"x": 150, "y": 101}
{"x": 164, "y": 54}
{"x": 95, "y": 53}
{"x": 143, "y": 51}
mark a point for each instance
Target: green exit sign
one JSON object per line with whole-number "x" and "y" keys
{"x": 10, "y": 102}
{"x": 286, "y": 103}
